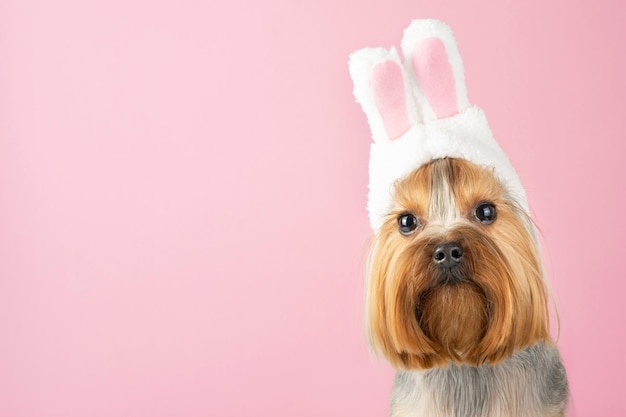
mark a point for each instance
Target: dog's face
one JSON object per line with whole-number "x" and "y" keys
{"x": 455, "y": 273}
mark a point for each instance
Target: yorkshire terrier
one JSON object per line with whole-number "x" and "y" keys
{"x": 456, "y": 298}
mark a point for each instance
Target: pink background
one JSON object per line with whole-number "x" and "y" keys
{"x": 183, "y": 187}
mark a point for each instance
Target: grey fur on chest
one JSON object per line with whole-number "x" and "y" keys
{"x": 531, "y": 383}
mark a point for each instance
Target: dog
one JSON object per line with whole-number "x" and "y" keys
{"x": 456, "y": 296}
{"x": 456, "y": 300}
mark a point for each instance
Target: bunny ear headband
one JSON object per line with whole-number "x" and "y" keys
{"x": 418, "y": 111}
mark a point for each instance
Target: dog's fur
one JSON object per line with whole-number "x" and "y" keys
{"x": 470, "y": 340}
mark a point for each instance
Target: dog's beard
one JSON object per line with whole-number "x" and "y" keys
{"x": 454, "y": 315}
{"x": 491, "y": 304}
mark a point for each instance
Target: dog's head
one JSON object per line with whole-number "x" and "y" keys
{"x": 455, "y": 273}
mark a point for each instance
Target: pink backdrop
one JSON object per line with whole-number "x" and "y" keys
{"x": 183, "y": 187}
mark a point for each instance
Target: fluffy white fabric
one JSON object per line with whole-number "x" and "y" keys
{"x": 465, "y": 135}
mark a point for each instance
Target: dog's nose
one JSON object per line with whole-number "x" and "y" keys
{"x": 448, "y": 255}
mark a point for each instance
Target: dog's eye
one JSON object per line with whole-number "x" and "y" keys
{"x": 407, "y": 223}
{"x": 485, "y": 213}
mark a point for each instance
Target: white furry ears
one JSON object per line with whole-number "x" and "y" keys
{"x": 429, "y": 84}
{"x": 418, "y": 110}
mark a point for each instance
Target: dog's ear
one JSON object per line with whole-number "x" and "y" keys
{"x": 381, "y": 87}
{"x": 432, "y": 57}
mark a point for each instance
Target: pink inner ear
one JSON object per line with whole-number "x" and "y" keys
{"x": 387, "y": 84}
{"x": 434, "y": 73}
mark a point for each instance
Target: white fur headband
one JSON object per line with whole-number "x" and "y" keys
{"x": 418, "y": 111}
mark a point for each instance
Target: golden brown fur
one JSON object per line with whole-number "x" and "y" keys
{"x": 418, "y": 320}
